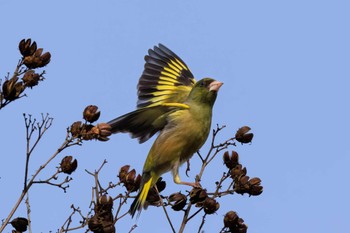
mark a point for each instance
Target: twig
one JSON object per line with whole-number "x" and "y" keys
{"x": 184, "y": 219}
{"x": 165, "y": 211}
{"x": 202, "y": 223}
{"x": 69, "y": 221}
{"x": 121, "y": 203}
{"x": 189, "y": 218}
{"x": 28, "y": 213}
{"x": 18, "y": 71}
{"x": 213, "y": 151}
{"x": 132, "y": 228}
{"x": 69, "y": 141}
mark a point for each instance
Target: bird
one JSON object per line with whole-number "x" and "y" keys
{"x": 172, "y": 103}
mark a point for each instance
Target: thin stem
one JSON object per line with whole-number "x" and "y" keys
{"x": 165, "y": 211}
{"x": 199, "y": 210}
{"x": 67, "y": 143}
{"x": 28, "y": 213}
{"x": 184, "y": 219}
{"x": 202, "y": 223}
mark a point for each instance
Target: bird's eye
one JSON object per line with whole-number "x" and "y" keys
{"x": 202, "y": 84}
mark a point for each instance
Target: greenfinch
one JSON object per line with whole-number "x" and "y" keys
{"x": 173, "y": 103}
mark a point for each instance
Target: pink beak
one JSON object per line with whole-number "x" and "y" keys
{"x": 215, "y": 86}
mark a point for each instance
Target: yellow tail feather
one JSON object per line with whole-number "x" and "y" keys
{"x": 140, "y": 200}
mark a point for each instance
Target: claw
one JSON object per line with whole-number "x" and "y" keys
{"x": 188, "y": 168}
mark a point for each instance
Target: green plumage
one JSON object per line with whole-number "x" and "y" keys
{"x": 184, "y": 125}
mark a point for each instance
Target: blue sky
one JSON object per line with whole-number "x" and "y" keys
{"x": 285, "y": 68}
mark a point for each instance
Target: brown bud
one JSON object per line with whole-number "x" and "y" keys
{"x": 88, "y": 132}
{"x": 210, "y": 205}
{"x": 245, "y": 185}
{"x": 91, "y": 113}
{"x": 26, "y": 48}
{"x": 177, "y": 201}
{"x": 20, "y": 224}
{"x": 255, "y": 190}
{"x": 123, "y": 171}
{"x": 130, "y": 177}
{"x": 255, "y": 186}
{"x": 238, "y": 171}
{"x": 161, "y": 184}
{"x": 12, "y": 89}
{"x": 67, "y": 165}
{"x": 30, "y": 78}
{"x": 75, "y": 129}
{"x": 37, "y": 60}
{"x": 198, "y": 195}
{"x": 106, "y": 202}
{"x": 104, "y": 131}
{"x": 242, "y": 228}
{"x": 231, "y": 219}
{"x": 230, "y": 161}
{"x": 45, "y": 59}
{"x": 153, "y": 198}
{"x": 95, "y": 224}
{"x": 19, "y": 89}
{"x": 255, "y": 181}
{"x": 234, "y": 223}
{"x": 244, "y": 180}
{"x": 243, "y": 136}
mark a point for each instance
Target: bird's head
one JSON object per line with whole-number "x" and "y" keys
{"x": 205, "y": 91}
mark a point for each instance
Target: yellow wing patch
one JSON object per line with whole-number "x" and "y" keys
{"x": 165, "y": 79}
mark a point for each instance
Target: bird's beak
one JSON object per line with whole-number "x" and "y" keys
{"x": 215, "y": 86}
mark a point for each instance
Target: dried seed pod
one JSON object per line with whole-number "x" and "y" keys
{"x": 230, "y": 161}
{"x": 255, "y": 188}
{"x": 234, "y": 223}
{"x": 30, "y": 78}
{"x": 37, "y": 60}
{"x": 238, "y": 171}
{"x": 129, "y": 178}
{"x": 106, "y": 202}
{"x": 230, "y": 219}
{"x": 153, "y": 196}
{"x": 20, "y": 224}
{"x": 94, "y": 224}
{"x": 243, "y": 136}
{"x": 210, "y": 205}
{"x": 161, "y": 184}
{"x": 27, "y": 48}
{"x": 104, "y": 131}
{"x": 250, "y": 186}
{"x": 12, "y": 89}
{"x": 45, "y": 59}
{"x": 91, "y": 113}
{"x": 75, "y": 129}
{"x": 68, "y": 165}
{"x": 123, "y": 171}
{"x": 198, "y": 195}
{"x": 177, "y": 201}
{"x": 87, "y": 133}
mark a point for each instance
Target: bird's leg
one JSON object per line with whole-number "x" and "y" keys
{"x": 177, "y": 179}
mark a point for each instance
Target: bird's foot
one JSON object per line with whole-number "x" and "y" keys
{"x": 192, "y": 184}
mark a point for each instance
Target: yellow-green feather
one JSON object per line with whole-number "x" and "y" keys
{"x": 140, "y": 200}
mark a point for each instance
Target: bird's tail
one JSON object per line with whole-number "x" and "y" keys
{"x": 139, "y": 202}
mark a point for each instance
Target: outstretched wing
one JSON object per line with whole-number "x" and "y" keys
{"x": 165, "y": 79}
{"x": 143, "y": 123}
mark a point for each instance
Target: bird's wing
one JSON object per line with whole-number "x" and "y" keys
{"x": 143, "y": 123}
{"x": 165, "y": 79}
